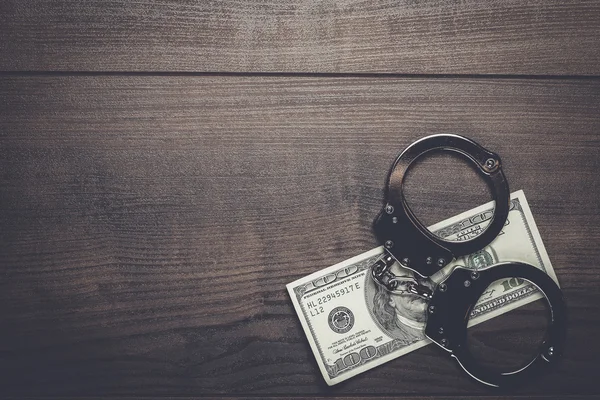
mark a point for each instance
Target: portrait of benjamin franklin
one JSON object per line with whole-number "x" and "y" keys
{"x": 400, "y": 313}
{"x": 482, "y": 258}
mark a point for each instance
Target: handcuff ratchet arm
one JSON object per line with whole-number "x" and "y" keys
{"x": 406, "y": 238}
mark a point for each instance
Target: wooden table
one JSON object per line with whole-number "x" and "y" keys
{"x": 167, "y": 167}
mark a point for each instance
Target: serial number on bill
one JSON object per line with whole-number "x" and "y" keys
{"x": 334, "y": 295}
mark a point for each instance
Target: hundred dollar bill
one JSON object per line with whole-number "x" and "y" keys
{"x": 353, "y": 324}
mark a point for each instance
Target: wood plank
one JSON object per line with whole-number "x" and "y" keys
{"x": 149, "y": 224}
{"x": 410, "y": 397}
{"x": 548, "y": 37}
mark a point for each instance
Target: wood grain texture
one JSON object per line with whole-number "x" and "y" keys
{"x": 544, "y": 37}
{"x": 149, "y": 224}
{"x": 294, "y": 397}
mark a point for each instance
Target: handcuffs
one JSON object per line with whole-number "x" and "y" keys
{"x": 409, "y": 242}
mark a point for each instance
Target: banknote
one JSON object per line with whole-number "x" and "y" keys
{"x": 353, "y": 324}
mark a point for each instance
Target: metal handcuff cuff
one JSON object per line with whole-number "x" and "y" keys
{"x": 410, "y": 243}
